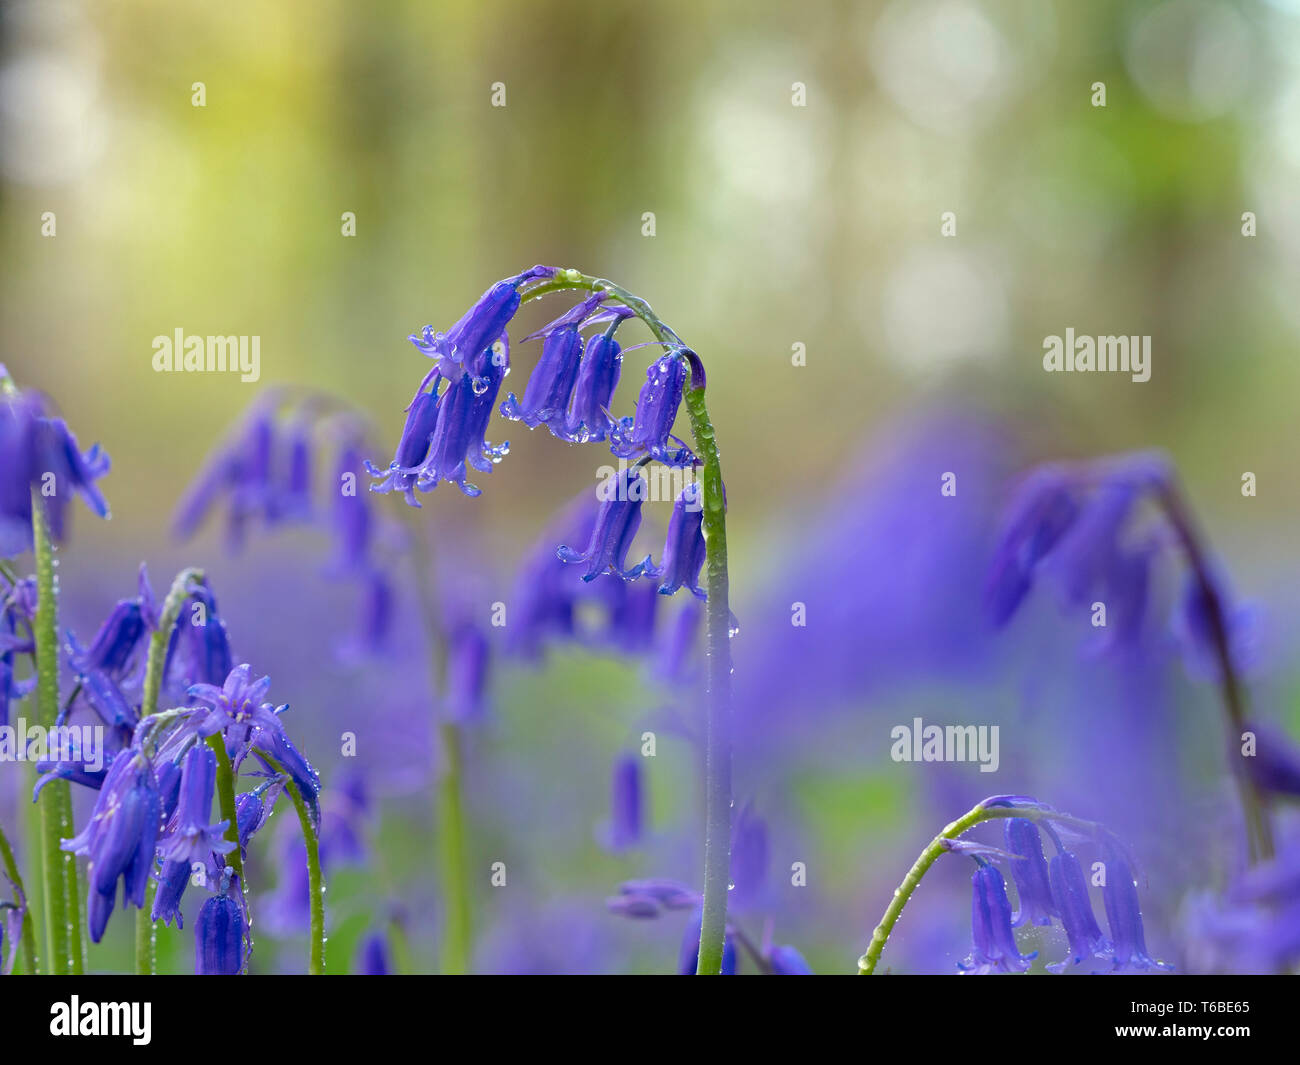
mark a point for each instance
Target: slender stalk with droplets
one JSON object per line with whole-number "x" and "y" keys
{"x": 62, "y": 896}
{"x": 717, "y": 773}
{"x": 31, "y": 963}
{"x": 315, "y": 881}
{"x": 153, "y": 678}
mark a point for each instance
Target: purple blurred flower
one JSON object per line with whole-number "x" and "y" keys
{"x": 688, "y": 956}
{"x": 40, "y": 453}
{"x": 627, "y": 802}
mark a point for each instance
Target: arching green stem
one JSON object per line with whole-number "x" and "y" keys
{"x": 937, "y": 847}
{"x": 717, "y": 845}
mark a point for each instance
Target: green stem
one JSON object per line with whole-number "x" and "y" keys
{"x": 226, "y": 802}
{"x": 61, "y": 894}
{"x": 457, "y": 940}
{"x": 457, "y": 937}
{"x": 936, "y": 847}
{"x": 717, "y": 761}
{"x": 315, "y": 882}
{"x": 153, "y": 677}
{"x": 31, "y": 964}
{"x": 315, "y": 886}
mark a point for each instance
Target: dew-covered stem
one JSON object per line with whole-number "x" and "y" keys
{"x": 31, "y": 963}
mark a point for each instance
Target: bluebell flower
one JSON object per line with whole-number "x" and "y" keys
{"x": 598, "y": 374}
{"x": 684, "y": 551}
{"x": 403, "y": 473}
{"x": 1042, "y": 510}
{"x": 468, "y": 659}
{"x": 787, "y": 961}
{"x": 676, "y": 662}
{"x": 688, "y": 957}
{"x": 1073, "y": 525}
{"x": 550, "y": 386}
{"x": 1194, "y": 628}
{"x": 545, "y": 594}
{"x": 374, "y": 616}
{"x": 272, "y": 740}
{"x": 653, "y": 896}
{"x": 1275, "y": 766}
{"x": 352, "y": 517}
{"x": 173, "y": 879}
{"x": 749, "y": 858}
{"x": 617, "y": 521}
{"x": 194, "y": 837}
{"x": 1029, "y": 871}
{"x": 108, "y": 700}
{"x": 236, "y": 708}
{"x": 633, "y": 613}
{"x": 219, "y": 936}
{"x": 41, "y": 453}
{"x": 120, "y": 837}
{"x": 11, "y": 642}
{"x": 373, "y": 956}
{"x": 1124, "y": 914}
{"x": 995, "y": 949}
{"x": 241, "y": 470}
{"x": 649, "y": 432}
{"x": 477, "y": 329}
{"x": 199, "y": 649}
{"x": 1070, "y": 894}
{"x": 626, "y": 804}
{"x": 463, "y": 413}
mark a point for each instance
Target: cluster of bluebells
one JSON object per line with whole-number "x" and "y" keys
{"x": 569, "y": 391}
{"x": 152, "y": 816}
{"x": 652, "y": 898}
{"x": 39, "y": 453}
{"x": 1080, "y": 526}
{"x": 267, "y": 471}
{"x": 1049, "y": 892}
{"x": 605, "y": 609}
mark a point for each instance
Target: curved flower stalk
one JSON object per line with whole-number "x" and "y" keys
{"x": 1078, "y": 526}
{"x": 444, "y": 430}
{"x": 1047, "y": 892}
